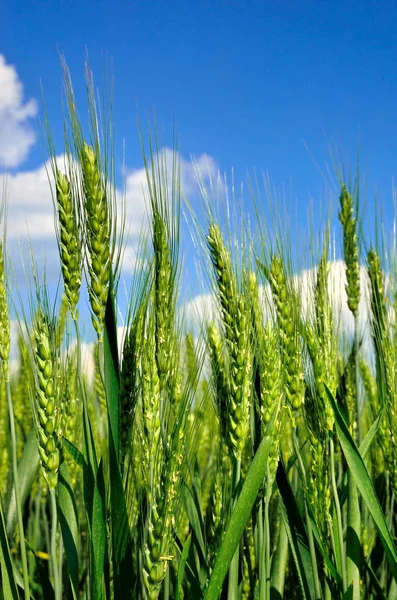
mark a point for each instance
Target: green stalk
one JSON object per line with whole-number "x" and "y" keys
{"x": 338, "y": 513}
{"x": 25, "y": 570}
{"x": 166, "y": 586}
{"x": 279, "y": 564}
{"x": 232, "y": 592}
{"x": 353, "y": 536}
{"x": 261, "y": 546}
{"x": 267, "y": 536}
{"x": 53, "y": 550}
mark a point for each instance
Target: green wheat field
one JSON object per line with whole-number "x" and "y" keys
{"x": 254, "y": 458}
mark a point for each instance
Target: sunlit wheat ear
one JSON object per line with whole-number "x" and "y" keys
{"x": 21, "y": 393}
{"x": 236, "y": 318}
{"x": 268, "y": 365}
{"x": 4, "y": 441}
{"x": 385, "y": 352}
{"x": 350, "y": 247}
{"x": 70, "y": 241}
{"x": 322, "y": 345}
{"x": 47, "y": 403}
{"x": 62, "y": 322}
{"x": 219, "y": 378}
{"x": 164, "y": 300}
{"x": 96, "y": 211}
{"x": 288, "y": 330}
{"x": 71, "y": 412}
{"x": 4, "y": 318}
{"x": 267, "y": 356}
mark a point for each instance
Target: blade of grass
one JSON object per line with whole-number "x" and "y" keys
{"x": 297, "y": 535}
{"x": 121, "y": 536}
{"x": 240, "y": 516}
{"x": 9, "y": 590}
{"x": 68, "y": 518}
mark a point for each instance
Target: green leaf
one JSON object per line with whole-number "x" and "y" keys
{"x": 45, "y": 583}
{"x": 112, "y": 369}
{"x": 27, "y": 470}
{"x": 9, "y": 590}
{"x": 123, "y": 574}
{"x": 240, "y": 515}
{"x": 364, "y": 484}
{"x": 375, "y": 583}
{"x": 297, "y": 535}
{"x": 74, "y": 452}
{"x": 349, "y": 593}
{"x": 367, "y": 441}
{"x": 68, "y": 518}
{"x": 123, "y": 579}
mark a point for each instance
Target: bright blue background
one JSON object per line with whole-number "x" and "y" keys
{"x": 269, "y": 84}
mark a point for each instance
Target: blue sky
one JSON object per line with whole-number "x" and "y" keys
{"x": 265, "y": 84}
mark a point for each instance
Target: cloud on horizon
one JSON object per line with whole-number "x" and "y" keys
{"x": 17, "y": 135}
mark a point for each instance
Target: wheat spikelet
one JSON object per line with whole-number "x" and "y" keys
{"x": 350, "y": 246}
{"x": 98, "y": 232}
{"x": 47, "y": 406}
{"x": 220, "y": 378}
{"x": 235, "y": 313}
{"x": 289, "y": 337}
{"x": 385, "y": 352}
{"x": 4, "y": 438}
{"x": 164, "y": 301}
{"x": 21, "y": 393}
{"x": 71, "y": 412}
{"x": 61, "y": 322}
{"x": 70, "y": 241}
{"x": 4, "y": 318}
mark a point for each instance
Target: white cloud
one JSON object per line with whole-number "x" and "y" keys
{"x": 16, "y": 133}
{"x": 201, "y": 308}
{"x": 204, "y": 168}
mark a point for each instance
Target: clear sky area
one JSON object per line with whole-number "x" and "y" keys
{"x": 272, "y": 85}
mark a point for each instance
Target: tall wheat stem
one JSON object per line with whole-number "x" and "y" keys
{"x": 53, "y": 545}
{"x": 353, "y": 537}
{"x": 267, "y": 534}
{"x": 25, "y": 570}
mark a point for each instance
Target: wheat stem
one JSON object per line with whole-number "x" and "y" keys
{"x": 53, "y": 546}
{"x": 25, "y": 571}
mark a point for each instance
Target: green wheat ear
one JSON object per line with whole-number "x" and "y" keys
{"x": 288, "y": 332}
{"x": 69, "y": 240}
{"x": 235, "y": 310}
{"x": 98, "y": 232}
{"x": 47, "y": 406}
{"x": 350, "y": 246}
{"x": 4, "y": 318}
